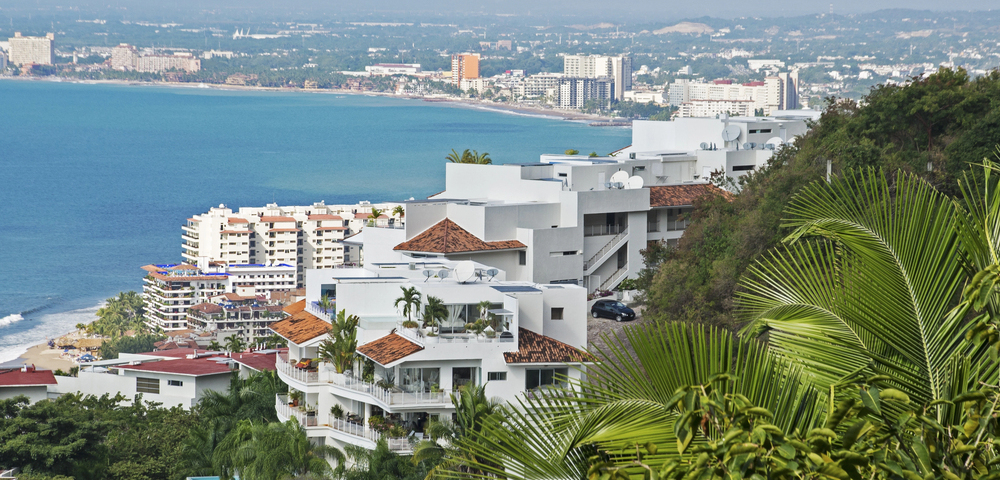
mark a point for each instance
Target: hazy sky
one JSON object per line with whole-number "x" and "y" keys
{"x": 639, "y": 11}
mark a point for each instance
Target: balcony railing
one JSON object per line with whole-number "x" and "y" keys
{"x": 296, "y": 373}
{"x": 652, "y": 226}
{"x": 316, "y": 310}
{"x": 387, "y": 397}
{"x": 396, "y": 444}
{"x": 282, "y": 408}
{"x": 675, "y": 225}
{"x": 597, "y": 230}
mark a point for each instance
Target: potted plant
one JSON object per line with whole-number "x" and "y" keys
{"x": 337, "y": 412}
{"x": 431, "y": 337}
{"x": 435, "y": 388}
{"x": 410, "y": 325}
{"x": 477, "y": 328}
{"x": 294, "y": 396}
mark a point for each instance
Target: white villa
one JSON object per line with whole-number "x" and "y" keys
{"x": 407, "y": 375}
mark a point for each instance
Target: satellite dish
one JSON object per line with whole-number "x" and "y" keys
{"x": 769, "y": 146}
{"x": 428, "y": 274}
{"x": 731, "y": 133}
{"x": 775, "y": 142}
{"x": 619, "y": 177}
{"x": 633, "y": 182}
{"x": 492, "y": 273}
{"x": 704, "y": 145}
{"x": 465, "y": 271}
{"x": 747, "y": 146}
{"x": 443, "y": 273}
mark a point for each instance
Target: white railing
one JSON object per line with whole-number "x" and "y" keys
{"x": 396, "y": 444}
{"x": 614, "y": 242}
{"x": 423, "y": 339}
{"x": 282, "y": 408}
{"x": 673, "y": 226}
{"x": 652, "y": 226}
{"x": 597, "y": 230}
{"x": 296, "y": 373}
{"x": 316, "y": 310}
{"x": 386, "y": 397}
{"x": 614, "y": 279}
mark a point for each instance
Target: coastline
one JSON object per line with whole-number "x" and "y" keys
{"x": 507, "y": 108}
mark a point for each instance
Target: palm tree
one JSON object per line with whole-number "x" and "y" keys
{"x": 398, "y": 211}
{"x": 435, "y": 312}
{"x": 272, "y": 451}
{"x": 274, "y": 341}
{"x": 341, "y": 342}
{"x": 235, "y": 344}
{"x": 455, "y": 157}
{"x": 472, "y": 411}
{"x": 373, "y": 218}
{"x": 325, "y": 303}
{"x": 214, "y": 346}
{"x": 468, "y": 156}
{"x": 410, "y": 301}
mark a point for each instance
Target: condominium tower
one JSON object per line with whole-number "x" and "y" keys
{"x": 464, "y": 66}
{"x": 31, "y": 50}
{"x": 618, "y": 68}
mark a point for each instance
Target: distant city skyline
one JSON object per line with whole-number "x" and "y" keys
{"x": 641, "y": 10}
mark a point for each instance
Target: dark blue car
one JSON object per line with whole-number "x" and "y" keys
{"x": 612, "y": 309}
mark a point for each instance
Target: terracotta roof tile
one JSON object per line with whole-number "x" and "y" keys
{"x": 295, "y": 307}
{"x": 683, "y": 195}
{"x": 388, "y": 349}
{"x": 193, "y": 366}
{"x": 268, "y": 219}
{"x": 238, "y": 220}
{"x": 447, "y": 237}
{"x": 257, "y": 361}
{"x": 283, "y": 230}
{"x": 300, "y": 327}
{"x": 325, "y": 216}
{"x": 535, "y": 348}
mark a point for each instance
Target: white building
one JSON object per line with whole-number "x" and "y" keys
{"x": 27, "y": 381}
{"x": 162, "y": 63}
{"x": 393, "y": 69}
{"x": 31, "y": 50}
{"x": 713, "y": 108}
{"x": 169, "y": 290}
{"x": 644, "y": 97}
{"x": 777, "y": 92}
{"x": 304, "y": 236}
{"x": 3, "y": 61}
{"x": 217, "y": 54}
{"x": 618, "y": 68}
{"x": 578, "y": 92}
{"x": 536, "y": 336}
{"x": 124, "y": 57}
{"x": 178, "y": 377}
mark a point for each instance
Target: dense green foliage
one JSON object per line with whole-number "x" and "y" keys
{"x": 119, "y": 315}
{"x": 947, "y": 120}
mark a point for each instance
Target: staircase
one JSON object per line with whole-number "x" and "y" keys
{"x": 614, "y": 279}
{"x": 607, "y": 250}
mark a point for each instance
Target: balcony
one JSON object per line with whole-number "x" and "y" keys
{"x": 652, "y": 226}
{"x": 399, "y": 445}
{"x": 284, "y": 411}
{"x": 297, "y": 374}
{"x": 675, "y": 225}
{"x": 598, "y": 230}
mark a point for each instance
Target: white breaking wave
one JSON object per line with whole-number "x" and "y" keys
{"x": 9, "y": 319}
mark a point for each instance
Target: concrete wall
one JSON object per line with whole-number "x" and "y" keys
{"x": 572, "y": 328}
{"x": 34, "y": 393}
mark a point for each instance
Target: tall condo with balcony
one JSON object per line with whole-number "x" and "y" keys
{"x": 31, "y": 50}
{"x": 509, "y": 337}
{"x": 302, "y": 236}
{"x": 464, "y": 66}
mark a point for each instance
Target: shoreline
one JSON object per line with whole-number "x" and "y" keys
{"x": 47, "y": 358}
{"x": 511, "y": 109}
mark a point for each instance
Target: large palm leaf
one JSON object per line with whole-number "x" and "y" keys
{"x": 871, "y": 290}
{"x": 625, "y": 400}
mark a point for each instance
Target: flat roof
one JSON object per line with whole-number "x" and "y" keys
{"x": 514, "y": 288}
{"x": 194, "y": 367}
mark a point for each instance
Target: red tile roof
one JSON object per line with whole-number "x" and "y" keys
{"x": 175, "y": 352}
{"x": 388, "y": 349}
{"x": 16, "y": 378}
{"x": 257, "y": 361}
{"x": 267, "y": 219}
{"x": 682, "y": 195}
{"x": 447, "y": 237}
{"x": 362, "y": 215}
{"x": 283, "y": 230}
{"x": 300, "y": 327}
{"x": 295, "y": 307}
{"x": 231, "y": 232}
{"x": 238, "y": 220}
{"x": 323, "y": 229}
{"x": 325, "y": 216}
{"x": 193, "y": 366}
{"x": 536, "y": 348}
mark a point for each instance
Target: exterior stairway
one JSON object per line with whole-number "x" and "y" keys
{"x": 606, "y": 251}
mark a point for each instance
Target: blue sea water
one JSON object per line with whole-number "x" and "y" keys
{"x": 96, "y": 180}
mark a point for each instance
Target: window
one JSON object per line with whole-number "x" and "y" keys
{"x": 522, "y": 258}
{"x": 497, "y": 376}
{"x": 546, "y": 376}
{"x": 557, "y": 313}
{"x": 175, "y": 383}
{"x": 147, "y": 385}
{"x": 742, "y": 168}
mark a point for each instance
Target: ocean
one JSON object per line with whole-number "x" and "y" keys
{"x": 96, "y": 179}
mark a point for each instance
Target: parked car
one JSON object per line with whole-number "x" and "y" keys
{"x": 612, "y": 309}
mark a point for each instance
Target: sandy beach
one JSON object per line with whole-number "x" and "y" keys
{"x": 45, "y": 358}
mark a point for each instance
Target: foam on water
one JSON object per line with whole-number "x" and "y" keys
{"x": 19, "y": 334}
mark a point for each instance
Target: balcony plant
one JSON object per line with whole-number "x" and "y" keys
{"x": 341, "y": 342}
{"x": 477, "y": 328}
{"x": 337, "y": 412}
{"x": 410, "y": 300}
{"x": 410, "y": 324}
{"x": 294, "y": 396}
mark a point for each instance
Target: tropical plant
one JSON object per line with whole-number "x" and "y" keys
{"x": 235, "y": 343}
{"x": 214, "y": 346}
{"x": 435, "y": 312}
{"x": 325, "y": 303}
{"x": 472, "y": 410}
{"x": 477, "y": 327}
{"x": 341, "y": 342}
{"x": 373, "y": 217}
{"x": 398, "y": 211}
{"x": 626, "y": 398}
{"x": 273, "y": 451}
{"x": 572, "y": 152}
{"x": 274, "y": 341}
{"x": 337, "y": 411}
{"x": 467, "y": 156}
{"x": 410, "y": 324}
{"x": 119, "y": 315}
{"x": 410, "y": 300}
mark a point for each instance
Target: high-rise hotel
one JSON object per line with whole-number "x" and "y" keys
{"x": 31, "y": 50}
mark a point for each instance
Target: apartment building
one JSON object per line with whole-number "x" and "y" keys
{"x": 393, "y": 69}
{"x": 535, "y": 338}
{"x": 304, "y": 236}
{"x": 31, "y": 50}
{"x": 235, "y": 314}
{"x": 713, "y": 108}
{"x": 162, "y": 63}
{"x": 170, "y": 290}
{"x": 124, "y": 57}
{"x": 464, "y": 66}
{"x": 617, "y": 68}
{"x": 775, "y": 93}
{"x": 577, "y": 92}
